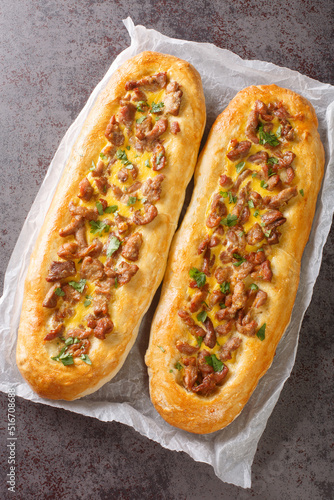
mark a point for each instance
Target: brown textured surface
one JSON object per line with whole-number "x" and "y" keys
{"x": 52, "y": 56}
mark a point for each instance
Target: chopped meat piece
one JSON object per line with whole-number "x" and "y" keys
{"x": 173, "y": 98}
{"x": 56, "y": 332}
{"x": 225, "y": 257}
{"x": 150, "y": 213}
{"x": 131, "y": 248}
{"x": 202, "y": 363}
{"x": 138, "y": 95}
{"x": 99, "y": 169}
{"x": 223, "y": 274}
{"x": 86, "y": 213}
{"x": 100, "y": 303}
{"x": 51, "y": 297}
{"x": 118, "y": 193}
{"x": 274, "y": 182}
{"x": 209, "y": 383}
{"x": 79, "y": 349}
{"x": 286, "y": 160}
{"x": 60, "y": 270}
{"x": 150, "y": 83}
{"x": 263, "y": 271}
{"x": 239, "y": 296}
{"x": 246, "y": 325}
{"x": 134, "y": 187}
{"x": 244, "y": 216}
{"x": 125, "y": 272}
{"x": 215, "y": 297}
{"x": 71, "y": 295}
{"x": 144, "y": 127}
{"x": 260, "y": 299}
{"x": 290, "y": 175}
{"x": 190, "y": 376}
{"x": 240, "y": 150}
{"x": 159, "y": 157}
{"x": 195, "y": 330}
{"x": 159, "y": 128}
{"x": 251, "y": 126}
{"x": 126, "y": 114}
{"x": 175, "y": 128}
{"x": 123, "y": 174}
{"x": 225, "y": 181}
{"x": 262, "y": 109}
{"x": 208, "y": 262}
{"x": 73, "y": 226}
{"x": 227, "y": 313}
{"x": 255, "y": 234}
{"x": 236, "y": 240}
{"x": 204, "y": 244}
{"x": 281, "y": 198}
{"x": 102, "y": 184}
{"x": 104, "y": 287}
{"x": 91, "y": 321}
{"x": 80, "y": 238}
{"x": 93, "y": 250}
{"x": 197, "y": 301}
{"x": 210, "y": 337}
{"x": 63, "y": 312}
{"x": 259, "y": 157}
{"x": 85, "y": 190}
{"x": 103, "y": 327}
{"x": 256, "y": 198}
{"x": 113, "y": 132}
{"x": 231, "y": 345}
{"x": 123, "y": 223}
{"x": 272, "y": 219}
{"x": 79, "y": 332}
{"x": 239, "y": 181}
{"x": 273, "y": 237}
{"x": 92, "y": 269}
{"x": 244, "y": 270}
{"x": 218, "y": 210}
{"x": 68, "y": 251}
{"x": 186, "y": 348}
{"x": 226, "y": 328}
{"x": 215, "y": 240}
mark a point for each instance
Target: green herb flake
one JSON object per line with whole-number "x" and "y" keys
{"x": 263, "y": 184}
{"x": 198, "y": 276}
{"x": 88, "y": 300}
{"x": 78, "y": 285}
{"x": 279, "y": 131}
{"x": 178, "y": 366}
{"x": 112, "y": 209}
{"x": 128, "y": 148}
{"x": 171, "y": 371}
{"x": 86, "y": 359}
{"x": 222, "y": 305}
{"x": 99, "y": 207}
{"x": 159, "y": 158}
{"x": 267, "y": 137}
{"x": 254, "y": 286}
{"x": 68, "y": 360}
{"x": 223, "y": 194}
{"x": 103, "y": 157}
{"x": 239, "y": 168}
{"x": 140, "y": 104}
{"x": 59, "y": 292}
{"x": 261, "y": 332}
{"x": 301, "y": 192}
{"x": 213, "y": 361}
{"x": 225, "y": 287}
{"x": 272, "y": 160}
{"x": 161, "y": 348}
{"x": 250, "y": 203}
{"x": 132, "y": 200}
{"x": 239, "y": 259}
{"x": 147, "y": 164}
{"x": 254, "y": 175}
{"x": 256, "y": 213}
{"x": 199, "y": 341}
{"x": 116, "y": 282}
{"x": 202, "y": 316}
{"x": 92, "y": 167}
{"x": 98, "y": 227}
{"x": 231, "y": 198}
{"x": 156, "y": 108}
{"x": 113, "y": 245}
{"x": 140, "y": 120}
{"x": 230, "y": 221}
{"x": 121, "y": 155}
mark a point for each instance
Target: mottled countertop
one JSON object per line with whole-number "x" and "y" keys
{"x": 52, "y": 55}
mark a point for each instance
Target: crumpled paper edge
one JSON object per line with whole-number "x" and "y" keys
{"x": 214, "y": 448}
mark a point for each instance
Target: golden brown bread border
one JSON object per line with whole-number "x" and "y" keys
{"x": 205, "y": 414}
{"x": 51, "y": 379}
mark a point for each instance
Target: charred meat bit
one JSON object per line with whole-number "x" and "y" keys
{"x": 159, "y": 128}
{"x": 173, "y": 98}
{"x": 150, "y": 83}
{"x": 255, "y": 234}
{"x": 85, "y": 190}
{"x": 197, "y": 301}
{"x": 144, "y": 127}
{"x": 131, "y": 248}
{"x": 159, "y": 157}
{"x": 150, "y": 213}
{"x": 92, "y": 269}
{"x": 281, "y": 198}
{"x": 68, "y": 251}
{"x": 202, "y": 363}
{"x": 72, "y": 227}
{"x": 272, "y": 219}
{"x": 86, "y": 213}
{"x": 260, "y": 299}
{"x": 113, "y": 132}
{"x": 195, "y": 330}
{"x": 56, "y": 332}
{"x": 210, "y": 338}
{"x": 125, "y": 272}
{"x": 99, "y": 169}
{"x": 175, "y": 128}
{"x": 225, "y": 181}
{"x": 60, "y": 270}
{"x": 209, "y": 383}
{"x": 218, "y": 210}
{"x": 152, "y": 188}
{"x": 71, "y": 295}
{"x": 231, "y": 345}
{"x": 263, "y": 271}
{"x": 251, "y": 126}
{"x": 126, "y": 115}
{"x": 50, "y": 300}
{"x": 259, "y": 157}
{"x": 186, "y": 348}
{"x": 225, "y": 328}
{"x": 103, "y": 327}
{"x": 240, "y": 150}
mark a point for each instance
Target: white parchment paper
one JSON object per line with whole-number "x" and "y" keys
{"x": 126, "y": 398}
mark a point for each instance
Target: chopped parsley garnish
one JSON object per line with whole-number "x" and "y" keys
{"x": 231, "y": 198}
{"x": 267, "y": 233}
{"x": 59, "y": 292}
{"x": 158, "y": 158}
{"x": 263, "y": 184}
{"x": 113, "y": 245}
{"x": 140, "y": 104}
{"x": 99, "y": 227}
{"x": 199, "y": 341}
{"x": 103, "y": 157}
{"x": 128, "y": 148}
{"x": 230, "y": 221}
{"x": 116, "y": 282}
{"x": 261, "y": 332}
{"x": 267, "y": 137}
{"x": 78, "y": 285}
{"x": 161, "y": 348}
{"x": 147, "y": 164}
{"x": 254, "y": 175}
{"x": 132, "y": 200}
{"x": 240, "y": 166}
{"x": 99, "y": 207}
{"x": 92, "y": 167}
{"x": 86, "y": 359}
{"x": 178, "y": 366}
{"x": 213, "y": 361}
{"x": 239, "y": 259}
{"x": 222, "y": 305}
{"x": 256, "y": 213}
{"x": 88, "y": 300}
{"x": 202, "y": 316}
{"x": 112, "y": 209}
{"x": 223, "y": 194}
{"x": 279, "y": 131}
{"x": 66, "y": 359}
{"x": 271, "y": 172}
{"x": 140, "y": 120}
{"x": 225, "y": 287}
{"x": 301, "y": 192}
{"x": 121, "y": 155}
{"x": 272, "y": 160}
{"x": 198, "y": 276}
{"x": 254, "y": 286}
{"x": 156, "y": 108}
{"x": 250, "y": 203}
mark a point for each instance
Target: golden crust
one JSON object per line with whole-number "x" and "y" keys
{"x": 182, "y": 408}
{"x": 51, "y": 379}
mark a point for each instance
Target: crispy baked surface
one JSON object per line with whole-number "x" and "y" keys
{"x": 49, "y": 377}
{"x": 172, "y": 391}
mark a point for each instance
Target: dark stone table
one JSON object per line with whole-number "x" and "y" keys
{"x": 53, "y": 53}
